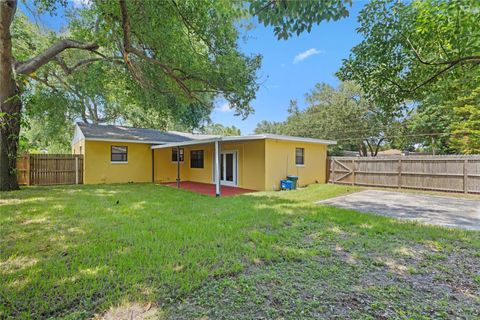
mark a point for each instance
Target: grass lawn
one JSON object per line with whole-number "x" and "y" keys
{"x": 74, "y": 252}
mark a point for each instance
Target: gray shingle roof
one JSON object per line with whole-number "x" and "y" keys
{"x": 111, "y": 132}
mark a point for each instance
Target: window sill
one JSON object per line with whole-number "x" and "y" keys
{"x": 299, "y": 165}
{"x": 118, "y": 162}
{"x": 175, "y": 162}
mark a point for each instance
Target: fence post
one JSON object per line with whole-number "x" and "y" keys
{"x": 333, "y": 170}
{"x": 76, "y": 170}
{"x": 399, "y": 173}
{"x": 465, "y": 176}
{"x": 353, "y": 172}
{"x": 27, "y": 169}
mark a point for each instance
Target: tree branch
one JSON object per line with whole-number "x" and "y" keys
{"x": 190, "y": 28}
{"x": 270, "y": 3}
{"x": 433, "y": 77}
{"x": 48, "y": 55}
{"x": 461, "y": 60}
{"x": 44, "y": 81}
{"x": 82, "y": 63}
{"x": 128, "y": 48}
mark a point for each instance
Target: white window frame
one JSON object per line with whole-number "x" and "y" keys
{"x": 303, "y": 157}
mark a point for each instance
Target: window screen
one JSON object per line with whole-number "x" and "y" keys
{"x": 196, "y": 159}
{"x": 299, "y": 156}
{"x": 174, "y": 155}
{"x": 118, "y": 154}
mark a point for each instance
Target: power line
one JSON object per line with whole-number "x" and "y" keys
{"x": 407, "y": 135}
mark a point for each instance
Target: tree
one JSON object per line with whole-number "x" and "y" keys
{"x": 272, "y": 127}
{"x": 465, "y": 128}
{"x": 185, "y": 51}
{"x": 341, "y": 114}
{"x": 218, "y": 129}
{"x": 411, "y": 49}
{"x": 438, "y": 121}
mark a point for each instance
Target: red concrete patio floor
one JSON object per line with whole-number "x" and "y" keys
{"x": 208, "y": 189}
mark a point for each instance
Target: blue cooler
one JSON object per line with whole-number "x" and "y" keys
{"x": 286, "y": 184}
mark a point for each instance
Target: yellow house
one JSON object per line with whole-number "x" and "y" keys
{"x": 117, "y": 154}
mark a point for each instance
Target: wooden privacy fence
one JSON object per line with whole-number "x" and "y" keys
{"x": 455, "y": 173}
{"x": 50, "y": 169}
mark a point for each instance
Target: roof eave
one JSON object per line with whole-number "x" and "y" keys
{"x": 125, "y": 140}
{"x": 185, "y": 143}
{"x": 243, "y": 138}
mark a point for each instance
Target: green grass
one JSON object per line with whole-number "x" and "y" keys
{"x": 73, "y": 252}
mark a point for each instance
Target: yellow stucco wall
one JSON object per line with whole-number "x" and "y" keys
{"x": 280, "y": 162}
{"x": 99, "y": 169}
{"x": 165, "y": 169}
{"x": 261, "y": 164}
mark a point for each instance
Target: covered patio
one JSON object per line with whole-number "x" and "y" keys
{"x": 208, "y": 189}
{"x": 214, "y": 166}
{"x": 195, "y": 186}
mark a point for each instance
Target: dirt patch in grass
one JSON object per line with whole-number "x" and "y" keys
{"x": 129, "y": 311}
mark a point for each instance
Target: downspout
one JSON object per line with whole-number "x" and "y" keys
{"x": 153, "y": 165}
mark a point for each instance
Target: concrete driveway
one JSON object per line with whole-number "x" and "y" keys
{"x": 443, "y": 211}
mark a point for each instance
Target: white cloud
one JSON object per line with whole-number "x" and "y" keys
{"x": 81, "y": 3}
{"x": 305, "y": 54}
{"x": 225, "y": 107}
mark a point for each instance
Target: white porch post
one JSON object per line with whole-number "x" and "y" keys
{"x": 178, "y": 167}
{"x": 217, "y": 169}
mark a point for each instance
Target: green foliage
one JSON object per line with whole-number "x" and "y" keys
{"x": 272, "y": 127}
{"x": 186, "y": 50}
{"x": 218, "y": 129}
{"x": 295, "y": 17}
{"x": 49, "y": 122}
{"x": 466, "y": 127}
{"x": 411, "y": 49}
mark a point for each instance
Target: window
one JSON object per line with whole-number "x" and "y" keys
{"x": 118, "y": 154}
{"x": 299, "y": 156}
{"x": 80, "y": 149}
{"x": 196, "y": 159}
{"x": 174, "y": 155}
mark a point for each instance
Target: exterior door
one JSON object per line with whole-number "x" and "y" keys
{"x": 228, "y": 168}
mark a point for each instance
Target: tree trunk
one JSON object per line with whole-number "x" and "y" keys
{"x": 10, "y": 103}
{"x": 362, "y": 149}
{"x": 10, "y": 109}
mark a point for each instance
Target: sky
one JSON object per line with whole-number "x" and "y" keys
{"x": 290, "y": 68}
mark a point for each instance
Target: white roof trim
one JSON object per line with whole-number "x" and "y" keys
{"x": 186, "y": 143}
{"x": 243, "y": 138}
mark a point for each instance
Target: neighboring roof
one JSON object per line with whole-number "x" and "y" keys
{"x": 390, "y": 152}
{"x": 243, "y": 138}
{"x": 139, "y": 135}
